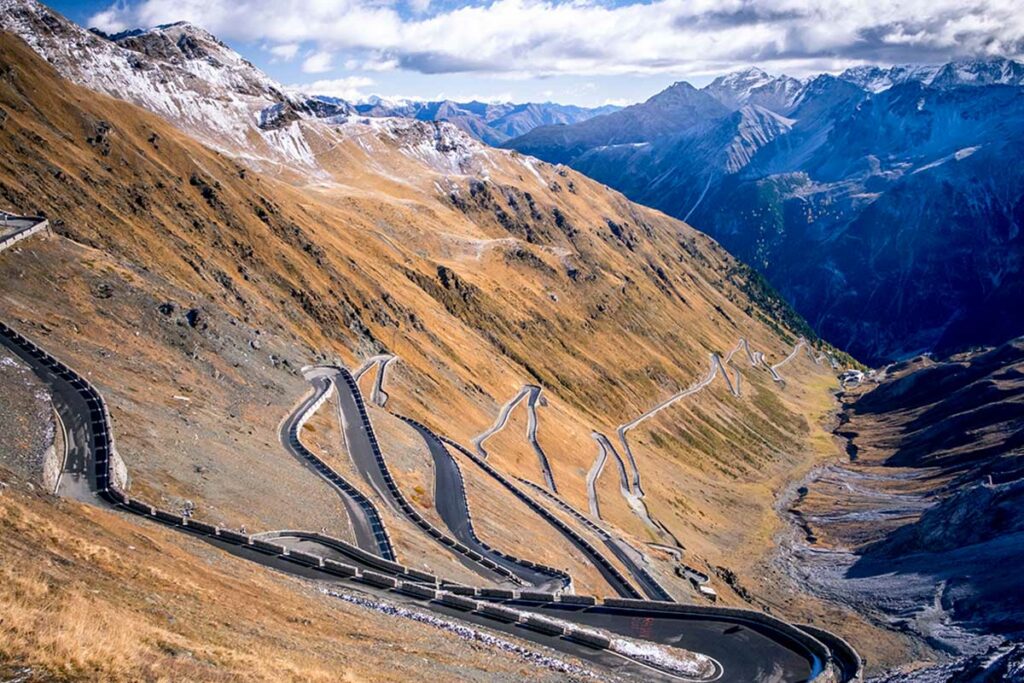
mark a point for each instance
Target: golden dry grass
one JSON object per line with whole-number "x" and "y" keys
{"x": 512, "y": 283}
{"x": 88, "y": 595}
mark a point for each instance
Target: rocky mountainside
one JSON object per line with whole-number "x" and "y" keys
{"x": 756, "y": 87}
{"x": 841, "y": 190}
{"x": 920, "y": 524}
{"x": 191, "y": 284}
{"x": 994, "y": 71}
{"x": 181, "y": 72}
{"x": 490, "y": 123}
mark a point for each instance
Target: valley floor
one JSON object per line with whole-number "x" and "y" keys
{"x": 916, "y": 527}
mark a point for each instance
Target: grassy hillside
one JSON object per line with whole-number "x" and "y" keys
{"x": 191, "y": 289}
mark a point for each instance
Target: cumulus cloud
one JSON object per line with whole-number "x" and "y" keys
{"x": 552, "y": 37}
{"x": 350, "y": 88}
{"x": 318, "y": 63}
{"x": 286, "y": 52}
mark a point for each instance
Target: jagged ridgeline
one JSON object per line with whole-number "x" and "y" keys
{"x": 875, "y": 201}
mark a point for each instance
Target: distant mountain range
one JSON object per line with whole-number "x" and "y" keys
{"x": 884, "y": 203}
{"x": 492, "y": 123}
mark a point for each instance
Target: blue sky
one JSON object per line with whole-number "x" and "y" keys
{"x": 587, "y": 52}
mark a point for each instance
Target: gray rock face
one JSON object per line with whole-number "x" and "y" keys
{"x": 27, "y": 427}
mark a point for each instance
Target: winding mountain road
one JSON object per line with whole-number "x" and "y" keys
{"x": 622, "y": 550}
{"x": 746, "y": 647}
{"x": 450, "y": 500}
{"x": 370, "y": 532}
{"x": 364, "y": 450}
{"x": 453, "y": 507}
{"x": 532, "y": 393}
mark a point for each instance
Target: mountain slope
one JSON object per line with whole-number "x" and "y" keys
{"x": 180, "y": 72}
{"x": 843, "y": 190}
{"x": 193, "y": 289}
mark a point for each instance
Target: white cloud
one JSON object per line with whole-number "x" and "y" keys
{"x": 552, "y": 37}
{"x": 350, "y": 88}
{"x": 112, "y": 20}
{"x": 318, "y": 63}
{"x": 285, "y": 51}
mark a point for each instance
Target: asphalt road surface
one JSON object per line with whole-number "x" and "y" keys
{"x": 78, "y": 480}
{"x": 366, "y": 523}
{"x": 748, "y": 652}
{"x": 450, "y": 502}
{"x": 360, "y": 440}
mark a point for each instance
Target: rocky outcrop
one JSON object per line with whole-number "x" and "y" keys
{"x": 975, "y": 515}
{"x": 28, "y": 431}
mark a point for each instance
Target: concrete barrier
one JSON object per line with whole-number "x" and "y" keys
{"x": 459, "y": 602}
{"x": 417, "y": 590}
{"x": 418, "y": 575}
{"x": 339, "y": 569}
{"x": 537, "y": 596}
{"x": 169, "y": 517}
{"x": 305, "y": 559}
{"x": 647, "y": 605}
{"x": 233, "y": 536}
{"x": 138, "y": 507}
{"x": 542, "y": 625}
{"x": 843, "y": 653}
{"x": 577, "y": 599}
{"x": 352, "y": 551}
{"x": 593, "y": 639}
{"x": 379, "y": 580}
{"x": 265, "y": 547}
{"x": 498, "y": 612}
{"x": 202, "y": 527}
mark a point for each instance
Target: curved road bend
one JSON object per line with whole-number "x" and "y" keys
{"x": 604, "y": 448}
{"x": 749, "y": 652}
{"x": 383, "y": 361}
{"x": 657, "y": 409}
{"x": 532, "y": 392}
{"x": 716, "y": 365}
{"x": 635, "y": 501}
{"x": 774, "y": 369}
{"x": 453, "y": 507}
{"x": 78, "y": 479}
{"x": 370, "y": 532}
{"x": 648, "y": 584}
{"x": 450, "y": 498}
{"x": 619, "y": 583}
{"x": 361, "y": 443}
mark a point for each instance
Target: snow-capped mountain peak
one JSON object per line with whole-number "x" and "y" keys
{"x": 181, "y": 72}
{"x": 965, "y": 72}
{"x": 756, "y": 87}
